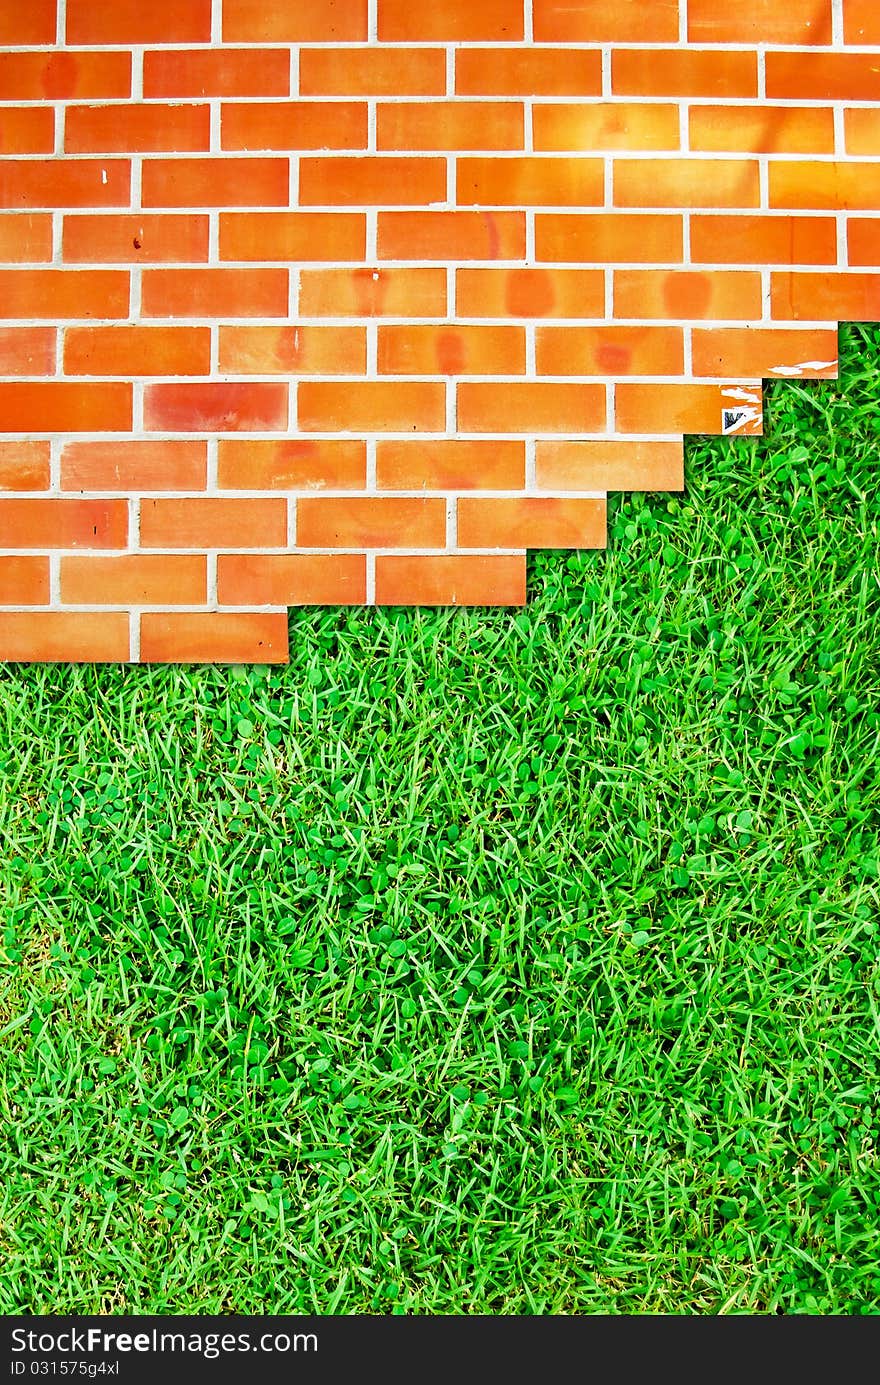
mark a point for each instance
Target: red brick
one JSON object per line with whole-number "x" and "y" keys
{"x": 828, "y": 185}
{"x": 25, "y": 238}
{"x": 609, "y": 238}
{"x": 601, "y": 125}
{"x": 213, "y": 637}
{"x": 140, "y": 128}
{"x": 863, "y": 242}
{"x": 658, "y": 72}
{"x": 215, "y": 293}
{"x": 759, "y": 21}
{"x": 294, "y": 21}
{"x": 365, "y": 292}
{"x": 729, "y": 352}
{"x": 527, "y": 72}
{"x": 762, "y": 129}
{"x": 763, "y": 240}
{"x": 372, "y": 71}
{"x": 687, "y": 295}
{"x": 825, "y": 297}
{"x": 292, "y": 350}
{"x": 141, "y": 238}
{"x": 696, "y": 183}
{"x": 137, "y": 351}
{"x": 69, "y": 637}
{"x": 217, "y": 72}
{"x": 292, "y": 579}
{"x": 65, "y": 76}
{"x": 103, "y": 22}
{"x": 135, "y": 579}
{"x": 31, "y": 23}
{"x": 61, "y": 293}
{"x": 684, "y": 408}
{"x": 294, "y": 125}
{"x": 27, "y": 130}
{"x": 371, "y": 522}
{"x": 371, "y": 181}
{"x": 392, "y": 406}
{"x": 291, "y": 464}
{"x": 223, "y": 407}
{"x": 63, "y": 183}
{"x": 606, "y": 21}
{"x": 531, "y": 522}
{"x": 59, "y": 406}
{"x": 450, "y": 580}
{"x": 451, "y": 125}
{"x": 211, "y": 522}
{"x": 452, "y": 235}
{"x": 24, "y": 581}
{"x": 609, "y": 466}
{"x": 237, "y": 182}
{"x": 610, "y": 350}
{"x": 823, "y": 76}
{"x": 530, "y": 292}
{"x": 27, "y": 350}
{"x": 63, "y": 523}
{"x": 24, "y": 466}
{"x": 528, "y": 407}
{"x": 861, "y": 22}
{"x": 443, "y": 21}
{"x": 134, "y": 466}
{"x": 300, "y": 236}
{"x": 451, "y": 349}
{"x": 512, "y": 181}
{"x": 449, "y": 464}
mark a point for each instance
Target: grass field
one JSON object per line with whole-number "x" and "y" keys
{"x": 477, "y": 961}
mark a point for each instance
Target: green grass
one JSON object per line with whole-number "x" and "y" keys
{"x": 476, "y": 961}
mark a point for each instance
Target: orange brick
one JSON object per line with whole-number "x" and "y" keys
{"x": 530, "y": 292}
{"x": 102, "y": 22}
{"x": 294, "y": 21}
{"x": 828, "y": 185}
{"x": 24, "y": 581}
{"x": 136, "y": 579}
{"x": 863, "y": 242}
{"x": 371, "y": 292}
{"x": 528, "y": 72}
{"x": 683, "y": 72}
{"x": 215, "y": 293}
{"x": 213, "y": 637}
{"x": 531, "y": 522}
{"x": 730, "y": 352}
{"x": 217, "y": 72}
{"x": 458, "y": 21}
{"x": 610, "y": 351}
{"x": 372, "y": 522}
{"x": 825, "y": 297}
{"x": 58, "y": 406}
{"x": 762, "y": 129}
{"x": 452, "y": 235}
{"x": 24, "y": 466}
{"x": 134, "y": 466}
{"x": 210, "y": 522}
{"x": 208, "y": 408}
{"x": 372, "y": 71}
{"x": 31, "y": 23}
{"x": 137, "y": 351}
{"x": 861, "y": 22}
{"x": 65, "y": 76}
{"x": 449, "y": 464}
{"x": 529, "y": 407}
{"x": 823, "y": 76}
{"x": 292, "y": 464}
{"x": 293, "y": 350}
{"x": 763, "y": 240}
{"x": 27, "y": 350}
{"x": 686, "y": 408}
{"x": 606, "y": 21}
{"x": 216, "y": 182}
{"x": 609, "y": 238}
{"x": 606, "y": 125}
{"x": 292, "y": 579}
{"x": 450, "y": 580}
{"x": 62, "y": 183}
{"x": 139, "y": 128}
{"x": 451, "y": 349}
{"x": 686, "y": 183}
{"x": 60, "y": 293}
{"x": 548, "y": 182}
{"x": 299, "y": 236}
{"x": 609, "y": 466}
{"x": 294, "y": 125}
{"x": 759, "y": 21}
{"x": 371, "y": 181}
{"x": 25, "y": 238}
{"x": 63, "y": 523}
{"x": 452, "y": 125}
{"x": 368, "y": 406}
{"x": 69, "y": 637}
{"x": 687, "y": 295}
{"x": 27, "y": 130}
{"x": 862, "y": 128}
{"x": 142, "y": 238}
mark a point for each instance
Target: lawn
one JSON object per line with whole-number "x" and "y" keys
{"x": 478, "y": 961}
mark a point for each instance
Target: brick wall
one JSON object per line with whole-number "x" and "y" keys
{"x": 346, "y": 301}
